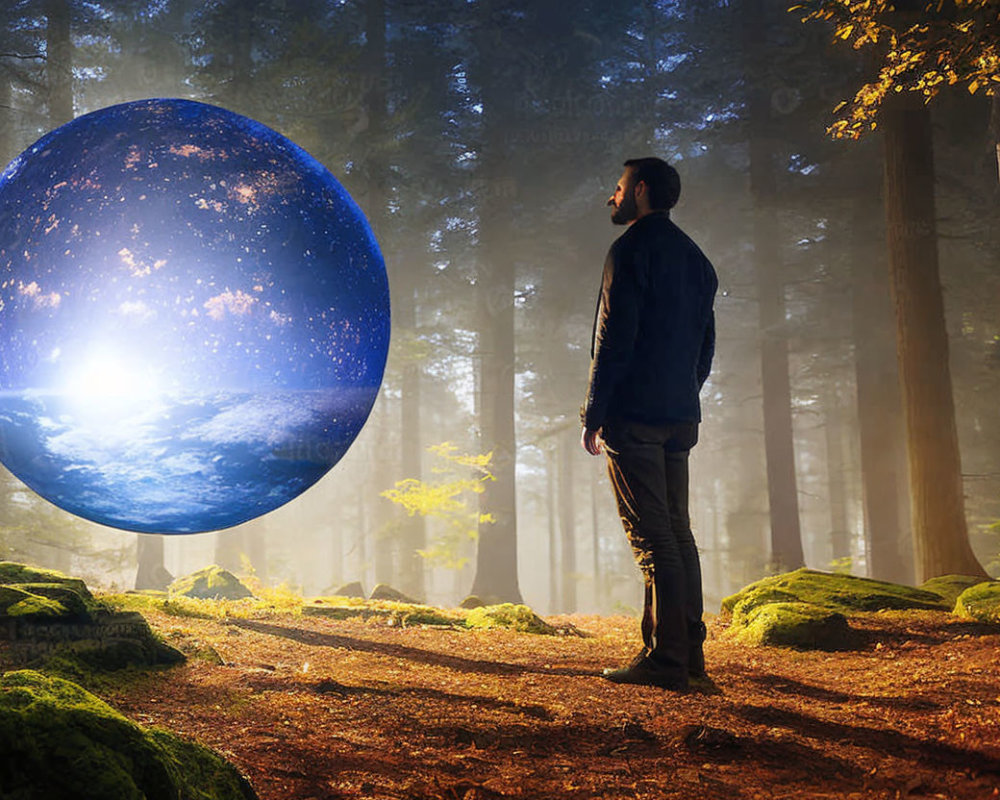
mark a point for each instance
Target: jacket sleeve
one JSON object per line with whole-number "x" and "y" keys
{"x": 615, "y": 330}
{"x": 707, "y": 350}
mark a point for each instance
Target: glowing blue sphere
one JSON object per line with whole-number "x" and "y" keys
{"x": 194, "y": 318}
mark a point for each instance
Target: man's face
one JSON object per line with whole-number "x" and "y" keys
{"x": 623, "y": 200}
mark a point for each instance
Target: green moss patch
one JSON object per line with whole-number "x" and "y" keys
{"x": 58, "y": 740}
{"x": 395, "y": 613}
{"x": 801, "y": 625}
{"x": 78, "y": 607}
{"x": 16, "y": 603}
{"x": 980, "y": 603}
{"x": 508, "y": 615}
{"x": 844, "y": 593}
{"x": 211, "y": 583}
{"x": 950, "y": 586}
{"x": 14, "y": 573}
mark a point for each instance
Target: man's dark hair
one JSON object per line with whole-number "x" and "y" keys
{"x": 661, "y": 179}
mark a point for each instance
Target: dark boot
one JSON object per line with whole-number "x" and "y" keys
{"x": 646, "y": 671}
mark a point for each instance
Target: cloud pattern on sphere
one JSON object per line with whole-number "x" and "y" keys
{"x": 194, "y": 317}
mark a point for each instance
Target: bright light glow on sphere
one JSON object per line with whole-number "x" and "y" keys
{"x": 194, "y": 318}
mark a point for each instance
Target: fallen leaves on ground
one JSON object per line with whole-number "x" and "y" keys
{"x": 318, "y": 709}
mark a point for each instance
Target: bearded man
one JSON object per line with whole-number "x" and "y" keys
{"x": 651, "y": 352}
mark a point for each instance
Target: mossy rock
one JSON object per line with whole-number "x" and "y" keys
{"x": 472, "y": 601}
{"x": 210, "y": 583}
{"x": 951, "y": 586}
{"x": 13, "y": 573}
{"x": 396, "y": 613}
{"x": 16, "y": 603}
{"x": 750, "y": 601}
{"x": 352, "y": 589}
{"x": 83, "y": 663}
{"x": 383, "y": 591}
{"x": 77, "y": 607}
{"x": 58, "y": 740}
{"x": 844, "y": 593}
{"x": 802, "y": 625}
{"x": 980, "y": 602}
{"x": 508, "y": 615}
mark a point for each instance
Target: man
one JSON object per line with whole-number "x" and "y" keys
{"x": 651, "y": 351}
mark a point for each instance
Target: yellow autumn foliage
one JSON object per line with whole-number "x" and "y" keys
{"x": 941, "y": 45}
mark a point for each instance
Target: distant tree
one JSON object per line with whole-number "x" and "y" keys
{"x": 921, "y": 46}
{"x": 786, "y": 534}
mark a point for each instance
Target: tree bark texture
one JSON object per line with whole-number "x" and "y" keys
{"x": 412, "y": 532}
{"x": 496, "y": 557}
{"x": 782, "y": 485}
{"x": 880, "y": 410}
{"x": 939, "y": 527}
{"x": 840, "y": 536}
{"x": 59, "y": 62}
{"x": 568, "y": 442}
{"x": 551, "y": 468}
{"x": 151, "y": 573}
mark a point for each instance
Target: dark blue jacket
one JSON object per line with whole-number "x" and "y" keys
{"x": 654, "y": 328}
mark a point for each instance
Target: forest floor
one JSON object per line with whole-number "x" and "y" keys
{"x": 316, "y": 708}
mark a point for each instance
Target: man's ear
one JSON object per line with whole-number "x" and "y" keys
{"x": 640, "y": 188}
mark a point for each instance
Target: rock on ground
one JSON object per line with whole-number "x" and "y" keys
{"x": 210, "y": 583}
{"x": 58, "y": 740}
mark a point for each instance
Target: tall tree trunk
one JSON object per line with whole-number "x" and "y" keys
{"x": 383, "y": 541}
{"x": 880, "y": 429}
{"x": 595, "y": 539}
{"x": 939, "y": 527}
{"x": 59, "y": 79}
{"x": 840, "y": 537}
{"x": 151, "y": 574}
{"x": 782, "y": 486}
{"x": 551, "y": 468}
{"x": 414, "y": 529}
{"x": 59, "y": 62}
{"x": 995, "y": 131}
{"x": 567, "y": 521}
{"x": 496, "y": 556}
{"x": 229, "y": 547}
{"x": 248, "y": 542}
{"x": 7, "y": 138}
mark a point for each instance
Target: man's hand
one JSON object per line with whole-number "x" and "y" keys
{"x": 591, "y": 441}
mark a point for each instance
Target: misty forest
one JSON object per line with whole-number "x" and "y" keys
{"x": 840, "y": 167}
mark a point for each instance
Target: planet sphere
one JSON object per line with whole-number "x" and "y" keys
{"x": 194, "y": 318}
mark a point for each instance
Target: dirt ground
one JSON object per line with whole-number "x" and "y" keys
{"x": 323, "y": 709}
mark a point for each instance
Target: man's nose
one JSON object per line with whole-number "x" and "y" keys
{"x": 611, "y": 200}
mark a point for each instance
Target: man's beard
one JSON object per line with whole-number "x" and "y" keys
{"x": 627, "y": 211}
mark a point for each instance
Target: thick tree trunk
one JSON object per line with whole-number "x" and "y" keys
{"x": 230, "y": 547}
{"x": 939, "y": 527}
{"x": 496, "y": 556}
{"x": 782, "y": 486}
{"x": 568, "y": 443}
{"x": 151, "y": 573}
{"x": 880, "y": 428}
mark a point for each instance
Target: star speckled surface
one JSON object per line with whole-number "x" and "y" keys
{"x": 194, "y": 317}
